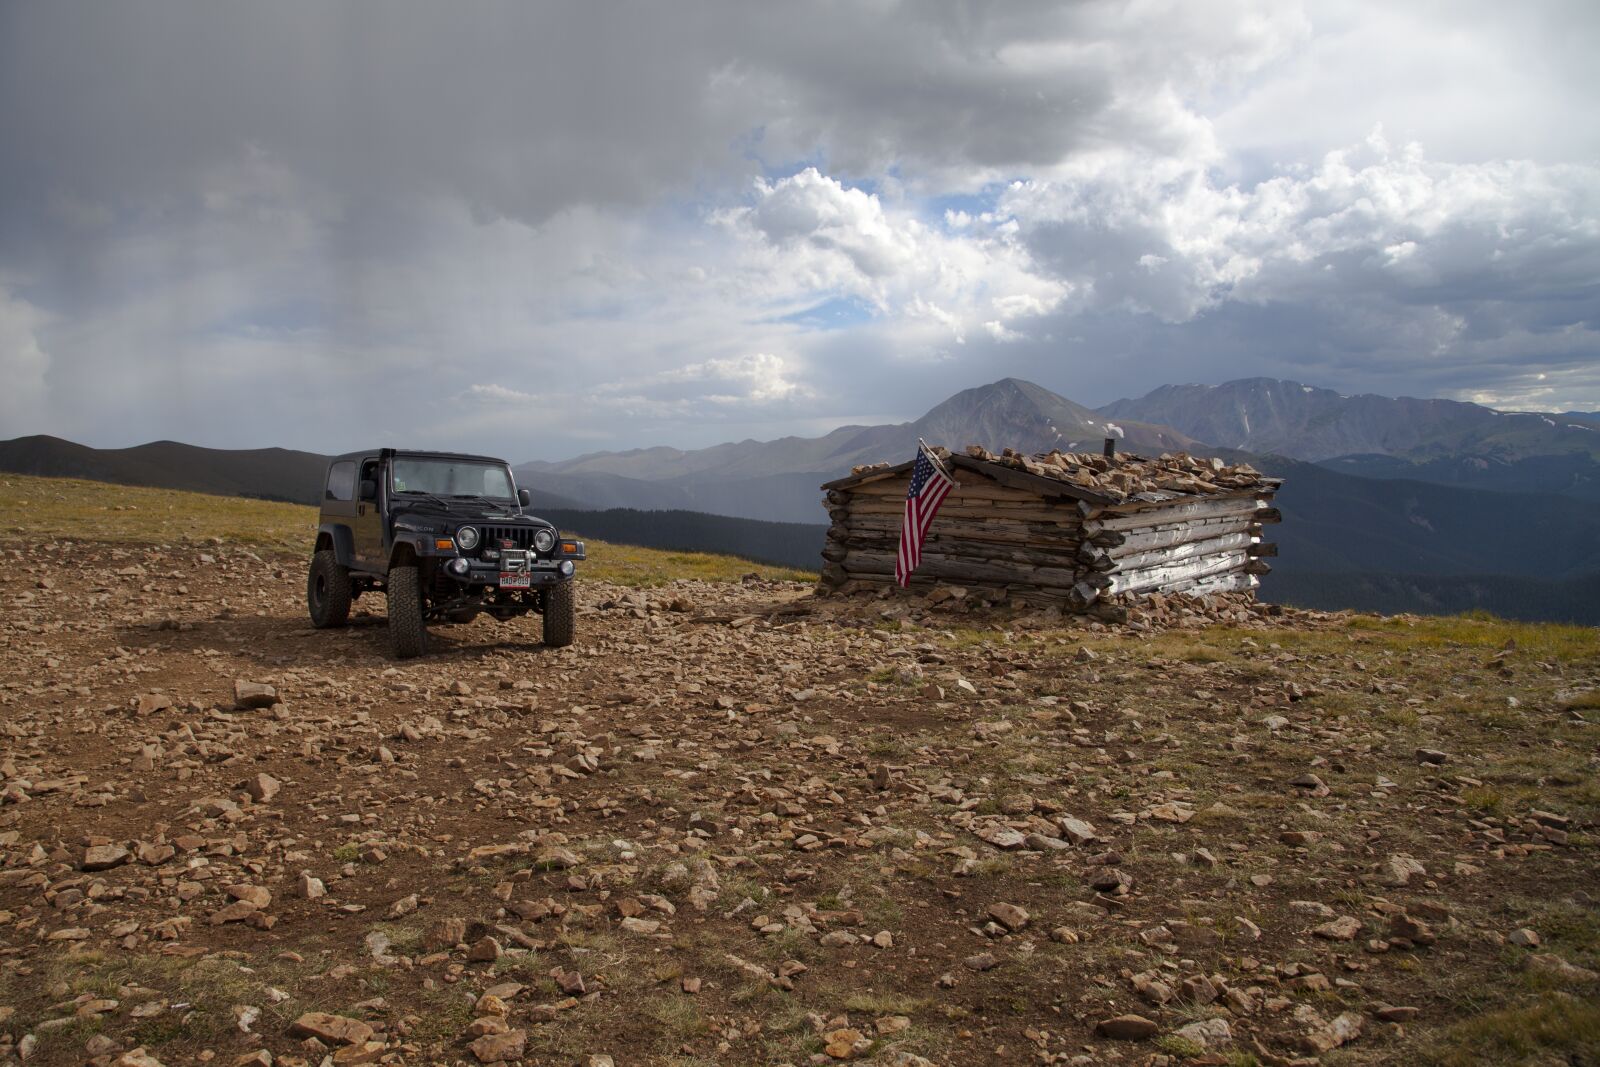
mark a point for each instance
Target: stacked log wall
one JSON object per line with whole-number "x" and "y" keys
{"x": 1051, "y": 549}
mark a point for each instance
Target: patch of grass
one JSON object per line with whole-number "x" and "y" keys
{"x": 1570, "y": 929}
{"x": 526, "y": 966}
{"x": 679, "y": 1017}
{"x": 445, "y": 1012}
{"x": 1484, "y": 798}
{"x": 644, "y": 568}
{"x": 751, "y": 991}
{"x": 210, "y": 987}
{"x": 1478, "y": 630}
{"x": 94, "y": 511}
{"x": 1551, "y": 1028}
{"x": 873, "y": 1003}
{"x": 1173, "y": 1045}
{"x": 791, "y": 944}
{"x": 163, "y": 1030}
{"x": 404, "y": 939}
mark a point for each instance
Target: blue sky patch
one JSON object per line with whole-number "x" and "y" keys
{"x": 836, "y": 313}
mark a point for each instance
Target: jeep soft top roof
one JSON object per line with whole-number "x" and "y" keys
{"x": 367, "y": 453}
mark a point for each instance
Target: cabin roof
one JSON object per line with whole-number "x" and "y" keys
{"x": 1052, "y": 474}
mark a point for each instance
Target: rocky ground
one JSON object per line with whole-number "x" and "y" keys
{"x": 734, "y": 825}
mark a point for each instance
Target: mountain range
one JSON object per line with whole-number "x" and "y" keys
{"x": 1444, "y": 441}
{"x": 1397, "y": 502}
{"x": 777, "y": 480}
{"x": 1269, "y": 416}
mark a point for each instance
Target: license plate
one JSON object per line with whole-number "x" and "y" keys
{"x": 516, "y": 580}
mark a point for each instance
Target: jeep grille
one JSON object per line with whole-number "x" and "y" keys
{"x": 519, "y": 536}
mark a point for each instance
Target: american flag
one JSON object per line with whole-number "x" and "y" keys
{"x": 929, "y": 486}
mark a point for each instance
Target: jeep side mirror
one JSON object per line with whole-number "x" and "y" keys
{"x": 369, "y": 489}
{"x": 525, "y": 498}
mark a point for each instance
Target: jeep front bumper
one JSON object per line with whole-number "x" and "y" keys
{"x": 515, "y": 569}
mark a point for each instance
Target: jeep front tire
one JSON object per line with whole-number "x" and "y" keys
{"x": 560, "y": 613}
{"x": 407, "y": 630}
{"x": 328, "y": 590}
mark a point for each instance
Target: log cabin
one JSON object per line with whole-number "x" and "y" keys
{"x": 1083, "y": 532}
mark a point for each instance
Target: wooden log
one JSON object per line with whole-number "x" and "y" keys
{"x": 960, "y": 571}
{"x": 1038, "y": 511}
{"x": 993, "y": 530}
{"x": 944, "y": 549}
{"x": 1140, "y": 543}
{"x": 1230, "y": 582}
{"x": 985, "y": 493}
{"x": 1157, "y": 557}
{"x": 1211, "y": 507}
{"x": 1177, "y": 500}
{"x": 1135, "y": 541}
{"x": 1016, "y": 570}
{"x": 1172, "y": 575}
{"x": 1258, "y": 566}
{"x": 1263, "y": 548}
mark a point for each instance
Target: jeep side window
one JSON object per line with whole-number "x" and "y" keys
{"x": 369, "y": 471}
{"x": 342, "y": 481}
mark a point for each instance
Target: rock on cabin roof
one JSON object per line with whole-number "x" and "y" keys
{"x": 1126, "y": 478}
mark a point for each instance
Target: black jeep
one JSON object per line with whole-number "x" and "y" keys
{"x": 445, "y": 536}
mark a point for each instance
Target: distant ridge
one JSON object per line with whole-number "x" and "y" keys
{"x": 1269, "y": 415}
{"x": 264, "y": 473}
{"x": 1009, "y": 413}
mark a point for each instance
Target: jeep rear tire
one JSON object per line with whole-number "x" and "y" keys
{"x": 328, "y": 592}
{"x": 407, "y": 630}
{"x": 560, "y": 613}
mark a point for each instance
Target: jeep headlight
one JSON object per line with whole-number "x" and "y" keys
{"x": 544, "y": 540}
{"x": 467, "y": 538}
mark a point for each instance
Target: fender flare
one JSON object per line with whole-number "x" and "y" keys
{"x": 337, "y": 536}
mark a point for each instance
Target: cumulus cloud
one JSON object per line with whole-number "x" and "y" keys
{"x": 809, "y": 233}
{"x": 1374, "y": 220}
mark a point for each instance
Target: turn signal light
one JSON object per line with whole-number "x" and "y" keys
{"x": 444, "y": 544}
{"x": 569, "y": 547}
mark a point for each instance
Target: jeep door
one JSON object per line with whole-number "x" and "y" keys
{"x": 366, "y": 528}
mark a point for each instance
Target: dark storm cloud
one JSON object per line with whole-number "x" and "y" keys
{"x": 522, "y": 109}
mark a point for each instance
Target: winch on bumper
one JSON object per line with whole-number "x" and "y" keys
{"x": 517, "y": 568}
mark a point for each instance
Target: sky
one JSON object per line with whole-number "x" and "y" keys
{"x": 541, "y": 229}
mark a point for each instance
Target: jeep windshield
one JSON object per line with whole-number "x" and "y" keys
{"x": 446, "y": 478}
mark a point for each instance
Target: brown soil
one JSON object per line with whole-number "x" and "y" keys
{"x": 816, "y": 765}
